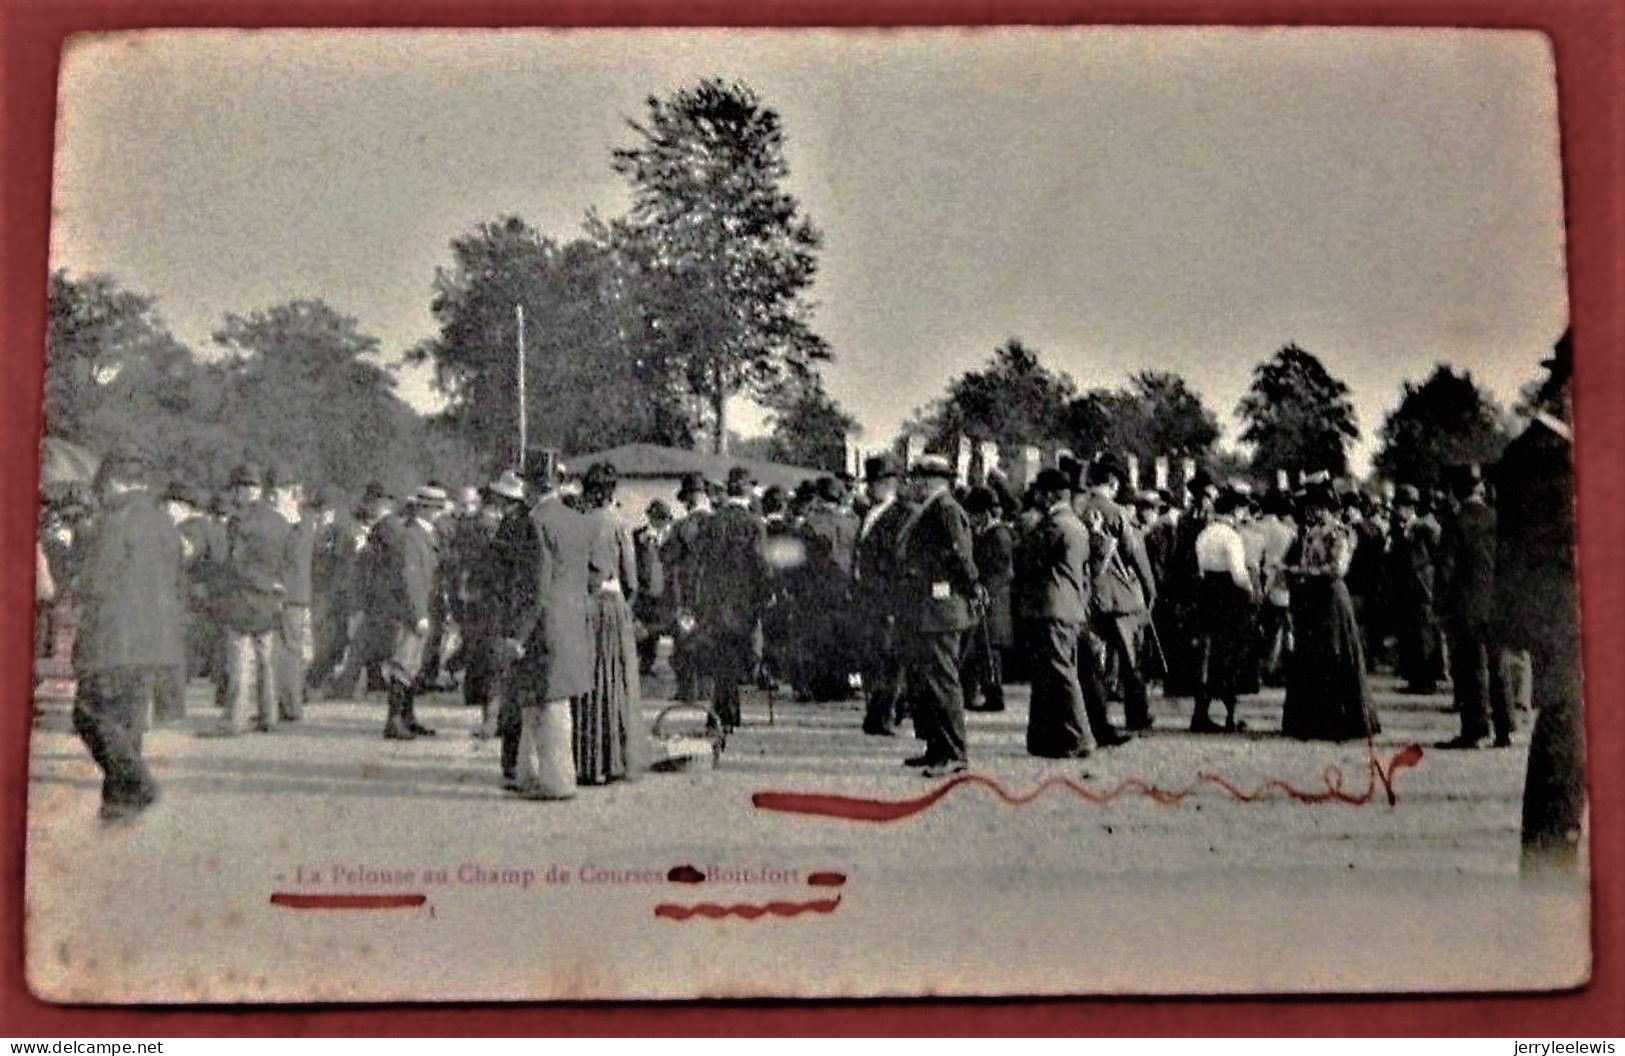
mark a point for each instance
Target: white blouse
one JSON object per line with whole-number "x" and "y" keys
{"x": 1219, "y": 549}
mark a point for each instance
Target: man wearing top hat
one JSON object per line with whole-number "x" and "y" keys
{"x": 251, "y": 605}
{"x": 547, "y": 635}
{"x": 682, "y": 557}
{"x": 938, "y": 590}
{"x": 735, "y": 593}
{"x": 130, "y": 619}
{"x": 1467, "y": 608}
{"x": 876, "y": 569}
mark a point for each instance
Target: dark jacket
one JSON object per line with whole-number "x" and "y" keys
{"x": 994, "y": 552}
{"x": 1120, "y": 571}
{"x": 256, "y": 566}
{"x": 128, "y": 588}
{"x": 552, "y": 624}
{"x": 684, "y": 563}
{"x": 1535, "y": 593}
{"x": 1467, "y": 566}
{"x": 1052, "y": 562}
{"x": 938, "y": 568}
{"x": 1410, "y": 562}
{"x": 876, "y": 563}
{"x": 736, "y": 582}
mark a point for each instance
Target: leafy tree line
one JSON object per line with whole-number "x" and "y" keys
{"x": 640, "y": 329}
{"x": 1295, "y": 416}
{"x": 294, "y": 384}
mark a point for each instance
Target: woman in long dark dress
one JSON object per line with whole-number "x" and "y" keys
{"x": 1326, "y": 694}
{"x": 609, "y": 740}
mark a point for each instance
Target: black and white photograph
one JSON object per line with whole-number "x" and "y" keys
{"x": 701, "y": 514}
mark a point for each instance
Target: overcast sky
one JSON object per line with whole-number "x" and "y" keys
{"x": 1120, "y": 199}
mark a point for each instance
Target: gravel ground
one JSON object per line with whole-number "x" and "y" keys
{"x": 533, "y": 899}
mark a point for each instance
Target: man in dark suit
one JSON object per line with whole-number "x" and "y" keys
{"x": 1053, "y": 595}
{"x": 876, "y": 568}
{"x": 548, "y": 636}
{"x": 823, "y": 589}
{"x": 1412, "y": 543}
{"x": 130, "y": 629}
{"x": 982, "y": 670}
{"x": 1123, "y": 587}
{"x": 652, "y": 605}
{"x": 1467, "y": 605}
{"x": 681, "y": 554}
{"x": 938, "y": 588}
{"x": 734, "y": 594}
{"x": 1539, "y": 611}
{"x": 251, "y": 605}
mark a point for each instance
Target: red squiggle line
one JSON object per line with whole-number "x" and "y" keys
{"x": 746, "y": 910}
{"x": 858, "y": 809}
{"x": 295, "y": 901}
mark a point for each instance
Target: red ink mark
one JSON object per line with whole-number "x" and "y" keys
{"x": 858, "y": 809}
{"x": 826, "y": 879}
{"x": 746, "y": 910}
{"x": 293, "y": 901}
{"x": 685, "y": 874}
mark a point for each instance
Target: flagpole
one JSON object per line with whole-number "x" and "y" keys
{"x": 519, "y": 314}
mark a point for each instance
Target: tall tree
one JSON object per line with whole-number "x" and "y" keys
{"x": 1015, "y": 399}
{"x": 723, "y": 255}
{"x": 304, "y": 391}
{"x": 811, "y": 428}
{"x": 1447, "y": 419}
{"x": 587, "y": 383}
{"x": 1297, "y": 416}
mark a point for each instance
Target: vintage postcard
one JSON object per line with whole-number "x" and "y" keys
{"x": 667, "y": 514}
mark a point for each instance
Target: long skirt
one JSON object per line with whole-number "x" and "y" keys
{"x": 1326, "y": 694}
{"x": 608, "y": 736}
{"x": 1228, "y": 634}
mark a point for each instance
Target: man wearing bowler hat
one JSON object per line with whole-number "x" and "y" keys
{"x": 938, "y": 590}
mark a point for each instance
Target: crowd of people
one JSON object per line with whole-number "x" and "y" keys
{"x": 922, "y": 594}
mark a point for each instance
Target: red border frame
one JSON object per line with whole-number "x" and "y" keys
{"x": 1587, "y": 35}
